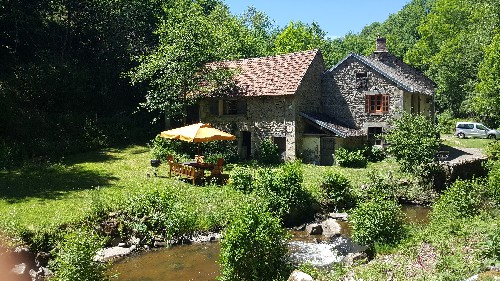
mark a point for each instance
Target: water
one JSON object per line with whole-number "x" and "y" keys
{"x": 416, "y": 213}
{"x": 198, "y": 262}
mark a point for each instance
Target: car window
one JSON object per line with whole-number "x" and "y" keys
{"x": 469, "y": 126}
{"x": 481, "y": 127}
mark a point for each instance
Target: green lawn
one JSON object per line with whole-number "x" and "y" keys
{"x": 453, "y": 141}
{"x": 40, "y": 197}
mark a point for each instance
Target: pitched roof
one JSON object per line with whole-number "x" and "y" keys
{"x": 270, "y": 76}
{"x": 333, "y": 126}
{"x": 403, "y": 75}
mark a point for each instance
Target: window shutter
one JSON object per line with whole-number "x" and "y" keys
{"x": 367, "y": 103}
{"x": 242, "y": 106}
{"x": 385, "y": 103}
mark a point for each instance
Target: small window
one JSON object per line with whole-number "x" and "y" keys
{"x": 377, "y": 103}
{"x": 213, "y": 107}
{"x": 362, "y": 80}
{"x": 230, "y": 107}
{"x": 375, "y": 135}
{"x": 234, "y": 107}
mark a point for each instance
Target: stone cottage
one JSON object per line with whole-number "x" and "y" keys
{"x": 308, "y": 111}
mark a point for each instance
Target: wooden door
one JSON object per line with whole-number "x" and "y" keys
{"x": 327, "y": 150}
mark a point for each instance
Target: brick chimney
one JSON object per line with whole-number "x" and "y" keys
{"x": 381, "y": 45}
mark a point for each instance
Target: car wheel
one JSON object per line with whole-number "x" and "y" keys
{"x": 460, "y": 135}
{"x": 492, "y": 137}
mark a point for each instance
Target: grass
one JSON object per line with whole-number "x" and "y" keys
{"x": 39, "y": 198}
{"x": 43, "y": 197}
{"x": 453, "y": 141}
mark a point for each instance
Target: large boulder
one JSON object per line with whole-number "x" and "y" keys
{"x": 314, "y": 229}
{"x": 331, "y": 227}
{"x": 300, "y": 276}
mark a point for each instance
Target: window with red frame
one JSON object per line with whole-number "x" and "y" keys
{"x": 377, "y": 103}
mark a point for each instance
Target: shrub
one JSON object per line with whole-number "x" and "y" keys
{"x": 338, "y": 190}
{"x": 446, "y": 123}
{"x": 157, "y": 212}
{"x": 493, "y": 151}
{"x": 378, "y": 186}
{"x": 74, "y": 258}
{"x": 463, "y": 199}
{"x": 254, "y": 247}
{"x": 221, "y": 149}
{"x": 268, "y": 152}
{"x": 374, "y": 153}
{"x": 377, "y": 221}
{"x": 162, "y": 147}
{"x": 494, "y": 181}
{"x": 413, "y": 142}
{"x": 242, "y": 179}
{"x": 352, "y": 158}
{"x": 282, "y": 190}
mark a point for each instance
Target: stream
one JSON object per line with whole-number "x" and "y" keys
{"x": 198, "y": 262}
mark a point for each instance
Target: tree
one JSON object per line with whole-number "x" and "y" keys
{"x": 413, "y": 142}
{"x": 191, "y": 34}
{"x": 298, "y": 36}
{"x": 451, "y": 47}
{"x": 486, "y": 101}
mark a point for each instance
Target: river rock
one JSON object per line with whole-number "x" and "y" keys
{"x": 113, "y": 252}
{"x": 331, "y": 227}
{"x": 352, "y": 258}
{"x": 300, "y": 276}
{"x": 338, "y": 216}
{"x": 19, "y": 269}
{"x": 314, "y": 229}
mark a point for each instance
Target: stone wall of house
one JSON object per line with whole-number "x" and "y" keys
{"x": 275, "y": 116}
{"x": 308, "y": 98}
{"x": 265, "y": 117}
{"x": 342, "y": 99}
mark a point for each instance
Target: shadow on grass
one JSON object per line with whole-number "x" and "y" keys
{"x": 48, "y": 182}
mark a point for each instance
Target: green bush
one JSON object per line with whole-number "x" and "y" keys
{"x": 242, "y": 179}
{"x": 254, "y": 247}
{"x": 374, "y": 153}
{"x": 462, "y": 199}
{"x": 282, "y": 190}
{"x": 221, "y": 149}
{"x": 163, "y": 147}
{"x": 377, "y": 221}
{"x": 74, "y": 258}
{"x": 268, "y": 152}
{"x": 413, "y": 141}
{"x": 446, "y": 122}
{"x": 494, "y": 181}
{"x": 351, "y": 158}
{"x": 156, "y": 212}
{"x": 338, "y": 190}
{"x": 493, "y": 151}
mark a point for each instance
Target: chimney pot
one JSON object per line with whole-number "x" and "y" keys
{"x": 381, "y": 45}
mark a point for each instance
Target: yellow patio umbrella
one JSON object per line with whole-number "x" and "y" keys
{"x": 199, "y": 132}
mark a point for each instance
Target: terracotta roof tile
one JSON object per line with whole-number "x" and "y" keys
{"x": 270, "y": 76}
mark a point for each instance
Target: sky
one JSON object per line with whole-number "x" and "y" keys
{"x": 335, "y": 17}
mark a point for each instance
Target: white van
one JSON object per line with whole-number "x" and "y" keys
{"x": 475, "y": 130}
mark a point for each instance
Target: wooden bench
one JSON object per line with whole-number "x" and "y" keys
{"x": 185, "y": 171}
